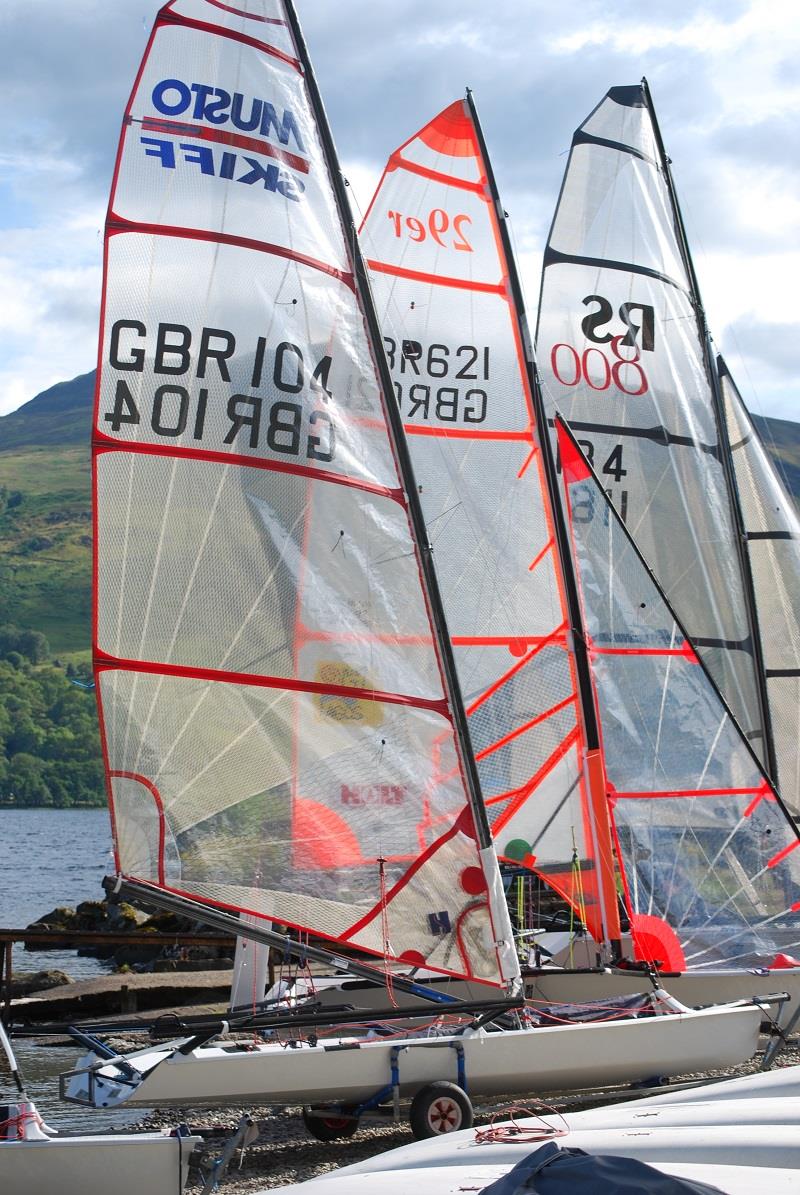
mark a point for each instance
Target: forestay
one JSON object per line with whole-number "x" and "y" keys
{"x": 454, "y": 343}
{"x": 276, "y": 727}
{"x": 706, "y": 848}
{"x": 772, "y": 534}
{"x": 621, "y": 344}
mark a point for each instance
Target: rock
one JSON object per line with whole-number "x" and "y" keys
{"x": 24, "y": 983}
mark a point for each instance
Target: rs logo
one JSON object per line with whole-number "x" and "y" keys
{"x": 593, "y": 366}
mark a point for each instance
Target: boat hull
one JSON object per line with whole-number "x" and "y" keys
{"x": 126, "y": 1164}
{"x": 348, "y": 1071}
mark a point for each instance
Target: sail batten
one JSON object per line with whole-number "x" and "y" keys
{"x": 280, "y": 727}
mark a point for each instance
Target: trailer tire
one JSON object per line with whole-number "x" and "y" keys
{"x": 329, "y": 1127}
{"x": 440, "y": 1108}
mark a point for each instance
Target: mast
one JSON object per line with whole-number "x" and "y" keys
{"x": 770, "y": 758}
{"x": 400, "y": 448}
{"x": 594, "y": 770}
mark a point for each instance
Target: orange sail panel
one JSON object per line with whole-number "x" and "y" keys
{"x": 711, "y": 862}
{"x": 276, "y": 727}
{"x": 452, "y": 336}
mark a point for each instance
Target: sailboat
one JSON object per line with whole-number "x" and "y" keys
{"x": 451, "y": 309}
{"x": 626, "y": 355}
{"x": 34, "y": 1157}
{"x": 281, "y": 716}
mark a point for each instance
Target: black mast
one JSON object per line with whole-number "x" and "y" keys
{"x": 770, "y": 758}
{"x": 574, "y": 612}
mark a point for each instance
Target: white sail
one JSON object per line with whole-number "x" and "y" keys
{"x": 710, "y": 862}
{"x": 772, "y": 533}
{"x": 623, "y": 357}
{"x": 269, "y": 679}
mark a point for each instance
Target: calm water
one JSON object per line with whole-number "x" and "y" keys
{"x": 51, "y": 857}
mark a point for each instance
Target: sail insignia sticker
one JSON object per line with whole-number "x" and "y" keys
{"x": 214, "y": 108}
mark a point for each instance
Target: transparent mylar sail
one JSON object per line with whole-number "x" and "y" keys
{"x": 277, "y": 734}
{"x": 711, "y": 865}
{"x": 621, "y": 357}
{"x": 441, "y": 285}
{"x": 772, "y": 536}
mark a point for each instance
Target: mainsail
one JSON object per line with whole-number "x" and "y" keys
{"x": 450, "y": 308}
{"x": 711, "y": 866}
{"x": 281, "y": 731}
{"x": 625, "y": 358}
{"x": 771, "y": 531}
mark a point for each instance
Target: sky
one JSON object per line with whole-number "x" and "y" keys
{"x": 724, "y": 77}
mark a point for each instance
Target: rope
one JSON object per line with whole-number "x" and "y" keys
{"x": 387, "y": 972}
{"x": 19, "y": 1121}
{"x": 496, "y": 1134}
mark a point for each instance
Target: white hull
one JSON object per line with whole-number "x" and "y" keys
{"x": 747, "y": 1142}
{"x": 561, "y": 1058}
{"x": 128, "y": 1164}
{"x": 444, "y": 1180}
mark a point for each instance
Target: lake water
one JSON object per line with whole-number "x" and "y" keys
{"x": 51, "y": 857}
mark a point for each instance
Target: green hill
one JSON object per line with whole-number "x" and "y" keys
{"x": 45, "y": 515}
{"x": 45, "y": 509}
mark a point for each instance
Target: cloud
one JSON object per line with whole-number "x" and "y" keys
{"x": 723, "y": 74}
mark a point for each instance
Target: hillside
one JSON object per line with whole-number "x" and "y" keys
{"x": 45, "y": 509}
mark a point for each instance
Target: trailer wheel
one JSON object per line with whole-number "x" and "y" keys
{"x": 440, "y": 1108}
{"x": 329, "y": 1127}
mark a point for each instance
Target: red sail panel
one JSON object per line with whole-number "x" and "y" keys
{"x": 711, "y": 862}
{"x": 452, "y": 337}
{"x": 269, "y": 681}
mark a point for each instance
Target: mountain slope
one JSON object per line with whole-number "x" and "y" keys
{"x": 45, "y": 509}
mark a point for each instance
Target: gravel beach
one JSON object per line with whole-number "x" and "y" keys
{"x": 284, "y": 1152}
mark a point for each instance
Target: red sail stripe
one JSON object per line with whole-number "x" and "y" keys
{"x": 461, "y": 433}
{"x": 787, "y": 850}
{"x": 396, "y": 161}
{"x": 177, "y": 128}
{"x": 118, "y": 225}
{"x": 538, "y": 559}
{"x": 486, "y": 288}
{"x": 104, "y": 443}
{"x": 169, "y": 17}
{"x": 514, "y": 734}
{"x": 540, "y": 642}
{"x": 105, "y": 661}
{"x": 401, "y": 883}
{"x": 665, "y": 794}
{"x": 250, "y": 16}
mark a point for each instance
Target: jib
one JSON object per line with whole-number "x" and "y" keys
{"x": 605, "y": 313}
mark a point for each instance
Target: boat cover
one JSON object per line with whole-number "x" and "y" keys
{"x": 550, "y": 1170}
